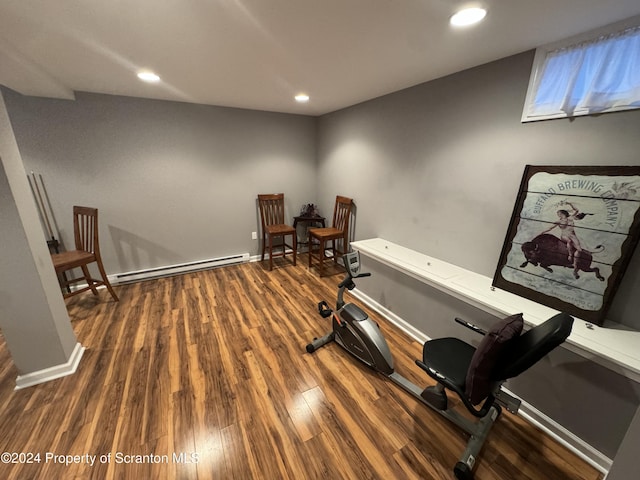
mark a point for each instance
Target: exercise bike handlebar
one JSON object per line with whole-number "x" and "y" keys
{"x": 348, "y": 280}
{"x": 349, "y": 285}
{"x": 470, "y": 326}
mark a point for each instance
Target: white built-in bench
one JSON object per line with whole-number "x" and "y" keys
{"x": 615, "y": 346}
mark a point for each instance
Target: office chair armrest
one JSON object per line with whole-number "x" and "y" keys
{"x": 471, "y": 326}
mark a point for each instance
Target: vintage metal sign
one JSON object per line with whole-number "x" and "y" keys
{"x": 571, "y": 235}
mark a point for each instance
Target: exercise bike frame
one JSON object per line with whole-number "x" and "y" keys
{"x": 361, "y": 337}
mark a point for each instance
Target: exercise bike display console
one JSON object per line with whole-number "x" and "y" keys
{"x": 444, "y": 360}
{"x": 352, "y": 263}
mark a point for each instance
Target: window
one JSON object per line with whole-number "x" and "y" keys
{"x": 597, "y": 73}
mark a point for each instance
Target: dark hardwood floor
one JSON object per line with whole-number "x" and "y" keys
{"x": 205, "y": 376}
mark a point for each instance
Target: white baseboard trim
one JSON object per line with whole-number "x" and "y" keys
{"x": 257, "y": 258}
{"x": 563, "y": 436}
{"x": 51, "y": 373}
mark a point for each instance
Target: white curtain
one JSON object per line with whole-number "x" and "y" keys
{"x": 591, "y": 77}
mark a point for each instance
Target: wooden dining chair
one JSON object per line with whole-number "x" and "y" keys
{"x": 87, "y": 251}
{"x": 274, "y": 226}
{"x": 338, "y": 232}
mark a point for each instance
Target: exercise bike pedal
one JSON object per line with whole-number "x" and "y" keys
{"x": 324, "y": 310}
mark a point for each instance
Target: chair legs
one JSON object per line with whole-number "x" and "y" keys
{"x": 87, "y": 276}
{"x": 294, "y": 248}
{"x": 105, "y": 279}
{"x": 264, "y": 245}
{"x": 271, "y": 251}
{"x": 321, "y": 254}
{"x": 92, "y": 283}
{"x": 322, "y": 249}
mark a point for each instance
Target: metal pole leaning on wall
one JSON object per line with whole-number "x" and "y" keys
{"x": 43, "y": 208}
{"x": 46, "y": 215}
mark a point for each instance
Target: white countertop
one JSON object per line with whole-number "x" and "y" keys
{"x": 615, "y": 346}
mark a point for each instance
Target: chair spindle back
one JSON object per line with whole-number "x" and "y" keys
{"x": 342, "y": 213}
{"x": 271, "y": 208}
{"x": 85, "y": 226}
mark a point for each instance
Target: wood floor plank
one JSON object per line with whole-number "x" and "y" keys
{"x": 211, "y": 367}
{"x": 341, "y": 446}
{"x": 239, "y": 462}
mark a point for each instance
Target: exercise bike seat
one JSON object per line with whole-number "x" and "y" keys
{"x": 447, "y": 360}
{"x": 475, "y": 374}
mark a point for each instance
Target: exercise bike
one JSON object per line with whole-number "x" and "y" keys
{"x": 449, "y": 361}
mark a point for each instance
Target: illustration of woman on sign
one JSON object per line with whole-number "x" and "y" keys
{"x": 567, "y": 231}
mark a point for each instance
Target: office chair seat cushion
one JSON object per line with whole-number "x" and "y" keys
{"x": 478, "y": 379}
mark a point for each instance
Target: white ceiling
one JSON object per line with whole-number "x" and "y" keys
{"x": 258, "y": 54}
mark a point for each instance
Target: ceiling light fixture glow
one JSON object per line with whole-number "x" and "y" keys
{"x": 468, "y": 16}
{"x": 302, "y": 98}
{"x": 147, "y": 76}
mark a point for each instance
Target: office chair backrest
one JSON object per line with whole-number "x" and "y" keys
{"x": 522, "y": 352}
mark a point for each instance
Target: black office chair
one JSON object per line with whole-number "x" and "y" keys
{"x": 476, "y": 375}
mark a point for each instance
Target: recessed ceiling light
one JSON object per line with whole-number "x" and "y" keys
{"x": 468, "y": 16}
{"x": 147, "y": 76}
{"x": 302, "y": 98}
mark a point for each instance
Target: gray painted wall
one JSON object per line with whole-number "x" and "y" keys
{"x": 436, "y": 168}
{"x": 174, "y": 182}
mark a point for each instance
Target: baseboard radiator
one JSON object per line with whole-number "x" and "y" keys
{"x": 159, "y": 272}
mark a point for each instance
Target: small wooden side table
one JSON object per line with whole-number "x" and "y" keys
{"x": 307, "y": 221}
